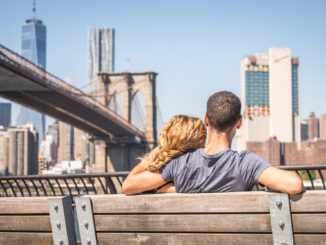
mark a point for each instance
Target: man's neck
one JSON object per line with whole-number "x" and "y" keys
{"x": 217, "y": 142}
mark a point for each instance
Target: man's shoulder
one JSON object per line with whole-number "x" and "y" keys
{"x": 188, "y": 155}
{"x": 248, "y": 155}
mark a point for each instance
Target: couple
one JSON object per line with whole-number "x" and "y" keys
{"x": 182, "y": 162}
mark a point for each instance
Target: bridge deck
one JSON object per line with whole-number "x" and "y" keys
{"x": 27, "y": 84}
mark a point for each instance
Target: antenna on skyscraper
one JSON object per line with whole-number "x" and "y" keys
{"x": 34, "y": 10}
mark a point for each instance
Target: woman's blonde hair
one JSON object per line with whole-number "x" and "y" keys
{"x": 181, "y": 134}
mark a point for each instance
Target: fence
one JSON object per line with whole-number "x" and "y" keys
{"x": 61, "y": 185}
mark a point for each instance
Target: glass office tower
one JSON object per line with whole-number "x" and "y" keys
{"x": 5, "y": 114}
{"x": 34, "y": 49}
{"x": 270, "y": 98}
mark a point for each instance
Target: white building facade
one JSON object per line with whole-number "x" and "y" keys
{"x": 100, "y": 54}
{"x": 270, "y": 98}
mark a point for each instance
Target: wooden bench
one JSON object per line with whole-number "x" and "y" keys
{"x": 216, "y": 218}
{"x": 26, "y": 220}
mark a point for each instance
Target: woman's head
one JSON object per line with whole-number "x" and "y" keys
{"x": 181, "y": 134}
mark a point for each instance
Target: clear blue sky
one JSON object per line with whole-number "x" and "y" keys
{"x": 195, "y": 46}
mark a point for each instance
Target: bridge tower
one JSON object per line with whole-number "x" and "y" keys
{"x": 118, "y": 91}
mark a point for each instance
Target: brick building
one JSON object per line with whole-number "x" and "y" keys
{"x": 278, "y": 153}
{"x": 322, "y": 127}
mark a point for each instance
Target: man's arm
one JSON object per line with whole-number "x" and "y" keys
{"x": 140, "y": 180}
{"x": 281, "y": 180}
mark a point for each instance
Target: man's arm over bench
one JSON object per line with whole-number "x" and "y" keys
{"x": 281, "y": 180}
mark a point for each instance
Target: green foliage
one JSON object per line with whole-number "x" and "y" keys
{"x": 304, "y": 174}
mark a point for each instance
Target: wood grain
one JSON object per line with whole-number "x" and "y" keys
{"x": 310, "y": 201}
{"x": 183, "y": 239}
{"x": 24, "y": 205}
{"x": 309, "y": 223}
{"x": 194, "y": 239}
{"x": 184, "y": 223}
{"x": 25, "y": 223}
{"x": 25, "y": 238}
{"x": 182, "y": 203}
{"x": 310, "y": 239}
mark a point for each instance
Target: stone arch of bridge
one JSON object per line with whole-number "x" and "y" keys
{"x": 128, "y": 84}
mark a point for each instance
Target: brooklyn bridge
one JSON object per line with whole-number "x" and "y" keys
{"x": 27, "y": 84}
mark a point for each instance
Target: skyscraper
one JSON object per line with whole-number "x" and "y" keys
{"x": 66, "y": 142}
{"x": 34, "y": 49}
{"x": 19, "y": 149}
{"x": 322, "y": 126}
{"x": 313, "y": 126}
{"x": 270, "y": 98}
{"x": 5, "y": 114}
{"x": 100, "y": 54}
{"x": 100, "y": 58}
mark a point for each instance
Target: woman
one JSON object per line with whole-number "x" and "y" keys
{"x": 180, "y": 135}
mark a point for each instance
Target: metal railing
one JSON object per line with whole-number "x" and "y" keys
{"x": 110, "y": 183}
{"x": 309, "y": 170}
{"x": 61, "y": 185}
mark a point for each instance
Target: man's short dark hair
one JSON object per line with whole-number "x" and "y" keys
{"x": 223, "y": 110}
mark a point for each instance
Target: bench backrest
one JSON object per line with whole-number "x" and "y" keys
{"x": 25, "y": 220}
{"x": 223, "y": 218}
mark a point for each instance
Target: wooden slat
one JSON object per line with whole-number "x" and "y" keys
{"x": 309, "y": 223}
{"x": 310, "y": 239}
{"x": 302, "y": 223}
{"x": 183, "y": 239}
{"x": 23, "y": 205}
{"x": 310, "y": 201}
{"x": 184, "y": 223}
{"x": 182, "y": 203}
{"x": 25, "y": 223}
{"x": 194, "y": 239}
{"x": 25, "y": 238}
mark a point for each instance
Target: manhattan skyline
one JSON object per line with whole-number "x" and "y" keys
{"x": 196, "y": 47}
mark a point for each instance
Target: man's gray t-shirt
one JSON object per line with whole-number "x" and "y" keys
{"x": 225, "y": 171}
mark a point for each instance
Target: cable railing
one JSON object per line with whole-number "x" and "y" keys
{"x": 110, "y": 183}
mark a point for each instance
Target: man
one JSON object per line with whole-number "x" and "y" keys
{"x": 215, "y": 168}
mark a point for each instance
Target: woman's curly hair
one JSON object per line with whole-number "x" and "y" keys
{"x": 181, "y": 134}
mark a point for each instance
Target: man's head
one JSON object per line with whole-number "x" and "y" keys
{"x": 223, "y": 111}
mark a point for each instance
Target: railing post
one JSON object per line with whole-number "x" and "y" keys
{"x": 281, "y": 221}
{"x": 62, "y": 221}
{"x": 85, "y": 221}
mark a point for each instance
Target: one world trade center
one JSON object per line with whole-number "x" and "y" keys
{"x": 34, "y": 49}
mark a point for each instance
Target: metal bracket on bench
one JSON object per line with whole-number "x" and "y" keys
{"x": 85, "y": 220}
{"x": 62, "y": 222}
{"x": 280, "y": 213}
